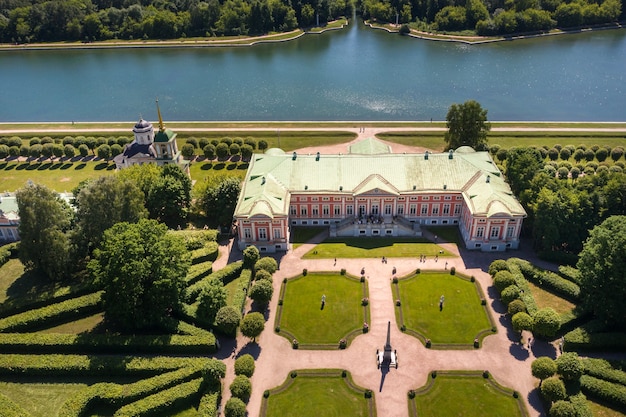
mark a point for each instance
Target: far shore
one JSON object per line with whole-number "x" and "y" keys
{"x": 289, "y": 36}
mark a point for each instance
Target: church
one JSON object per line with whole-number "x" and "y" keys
{"x": 149, "y": 147}
{"x": 370, "y": 191}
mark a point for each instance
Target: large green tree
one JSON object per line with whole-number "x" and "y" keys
{"x": 602, "y": 265}
{"x": 45, "y": 220}
{"x": 141, "y": 267}
{"x": 218, "y": 200}
{"x": 101, "y": 204}
{"x": 467, "y": 125}
{"x": 252, "y": 325}
{"x": 521, "y": 166}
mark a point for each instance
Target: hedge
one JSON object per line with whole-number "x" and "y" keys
{"x": 7, "y": 252}
{"x": 207, "y": 253}
{"x": 605, "y": 391}
{"x": 43, "y": 298}
{"x": 114, "y": 395}
{"x": 226, "y": 274}
{"x": 208, "y": 404}
{"x": 198, "y": 271}
{"x": 53, "y": 313}
{"x": 526, "y": 294}
{"x": 570, "y": 273}
{"x": 105, "y": 344}
{"x": 241, "y": 291}
{"x": 550, "y": 280}
{"x": 583, "y": 339}
{"x": 159, "y": 403}
{"x": 600, "y": 368}
{"x": 85, "y": 365}
{"x": 9, "y": 409}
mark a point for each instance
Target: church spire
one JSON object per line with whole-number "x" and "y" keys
{"x": 161, "y": 127}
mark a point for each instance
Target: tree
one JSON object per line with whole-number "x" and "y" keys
{"x": 262, "y": 274}
{"x": 522, "y": 321}
{"x": 542, "y": 368}
{"x": 252, "y": 325}
{"x": 209, "y": 151}
{"x": 244, "y": 365}
{"x": 141, "y": 267}
{"x": 103, "y": 152}
{"x": 467, "y": 125}
{"x": 569, "y": 366}
{"x": 45, "y": 220}
{"x": 103, "y": 202}
{"x": 221, "y": 151}
{"x": 235, "y": 408}
{"x": 69, "y": 151}
{"x": 261, "y": 292}
{"x": 546, "y": 322}
{"x": 553, "y": 389}
{"x": 267, "y": 263}
{"x": 83, "y": 150}
{"x": 516, "y": 306}
{"x": 250, "y": 256}
{"x": 602, "y": 266}
{"x": 218, "y": 200}
{"x": 509, "y": 294}
{"x": 503, "y": 279}
{"x": 521, "y": 166}
{"x": 187, "y": 151}
{"x": 212, "y": 297}
{"x": 241, "y": 387}
{"x": 227, "y": 320}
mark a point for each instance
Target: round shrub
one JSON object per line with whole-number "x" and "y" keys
{"x": 453, "y": 270}
{"x": 34, "y": 141}
{"x": 234, "y": 149}
{"x": 187, "y": 151}
{"x": 498, "y": 265}
{"x": 569, "y": 366}
{"x": 4, "y": 151}
{"x": 252, "y": 325}
{"x": 209, "y": 151}
{"x": 553, "y": 389}
{"x": 295, "y": 345}
{"x": 262, "y": 291}
{"x": 543, "y": 367}
{"x": 546, "y": 322}
{"x": 246, "y": 152}
{"x": 343, "y": 343}
{"x": 250, "y": 256}
{"x": 503, "y": 279}
{"x": 266, "y": 263}
{"x": 192, "y": 141}
{"x": 221, "y": 150}
{"x": 516, "y": 306}
{"x": 235, "y": 408}
{"x": 203, "y": 142}
{"x": 563, "y": 408}
{"x": 262, "y": 145}
{"x": 522, "y": 321}
{"x": 227, "y": 320}
{"x": 83, "y": 150}
{"x": 262, "y": 274}
{"x": 244, "y": 365}
{"x": 228, "y": 141}
{"x": 241, "y": 387}
{"x": 509, "y": 294}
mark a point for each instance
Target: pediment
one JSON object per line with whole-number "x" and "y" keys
{"x": 376, "y": 185}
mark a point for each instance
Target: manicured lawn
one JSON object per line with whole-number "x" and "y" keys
{"x": 544, "y": 299}
{"x": 303, "y": 317}
{"x": 231, "y": 287}
{"x": 462, "y": 395}
{"x": 300, "y": 235}
{"x": 317, "y": 396}
{"x": 79, "y": 326}
{"x": 462, "y": 317}
{"x": 600, "y": 410}
{"x": 58, "y": 176}
{"x": 375, "y": 247}
{"x": 9, "y": 272}
{"x": 40, "y": 399}
{"x": 446, "y": 234}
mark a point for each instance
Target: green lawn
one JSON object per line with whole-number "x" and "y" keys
{"x": 303, "y": 318}
{"x": 600, "y": 410}
{"x": 446, "y": 234}
{"x": 465, "y": 395}
{"x": 302, "y": 234}
{"x": 375, "y": 247}
{"x": 316, "y": 396}
{"x": 40, "y": 399}
{"x": 545, "y": 298}
{"x": 462, "y": 317}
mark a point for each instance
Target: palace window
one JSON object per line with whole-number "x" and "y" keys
{"x": 292, "y": 210}
{"x": 262, "y": 233}
{"x": 495, "y": 232}
{"x": 424, "y": 208}
{"x": 436, "y": 198}
{"x": 337, "y": 210}
{"x": 509, "y": 231}
{"x": 457, "y": 209}
{"x": 315, "y": 211}
{"x": 277, "y": 234}
{"x": 412, "y": 209}
{"x": 325, "y": 198}
{"x": 247, "y": 233}
{"x": 400, "y": 210}
{"x": 447, "y": 197}
{"x": 387, "y": 209}
{"x": 303, "y": 211}
{"x": 446, "y": 209}
{"x": 350, "y": 210}
{"x": 325, "y": 210}
{"x": 426, "y": 198}
{"x": 314, "y": 198}
{"x": 480, "y": 231}
{"x": 435, "y": 209}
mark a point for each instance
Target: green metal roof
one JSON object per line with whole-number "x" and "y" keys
{"x": 271, "y": 178}
{"x": 165, "y": 135}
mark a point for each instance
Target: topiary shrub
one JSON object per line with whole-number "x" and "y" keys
{"x": 542, "y": 368}
{"x": 498, "y": 265}
{"x": 235, "y": 408}
{"x": 562, "y": 408}
{"x": 241, "y": 388}
{"x": 453, "y": 271}
{"x": 343, "y": 271}
{"x": 293, "y": 374}
{"x": 262, "y": 274}
{"x": 546, "y": 322}
{"x": 244, "y": 365}
{"x": 261, "y": 292}
{"x": 267, "y": 263}
{"x": 569, "y": 366}
{"x": 522, "y": 321}
{"x": 509, "y": 294}
{"x": 502, "y": 280}
{"x": 395, "y": 280}
{"x": 485, "y": 374}
{"x": 343, "y": 343}
{"x": 428, "y": 343}
{"x": 305, "y": 272}
{"x": 250, "y": 257}
{"x": 398, "y": 303}
{"x": 295, "y": 344}
{"x": 266, "y": 393}
{"x": 367, "y": 393}
{"x": 411, "y": 394}
{"x": 365, "y": 301}
{"x": 516, "y": 306}
{"x": 433, "y": 374}
{"x": 553, "y": 389}
{"x": 227, "y": 320}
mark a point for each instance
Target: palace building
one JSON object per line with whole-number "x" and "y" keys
{"x": 372, "y": 192}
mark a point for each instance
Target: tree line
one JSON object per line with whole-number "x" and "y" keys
{"x": 87, "y": 20}
{"x": 494, "y": 17}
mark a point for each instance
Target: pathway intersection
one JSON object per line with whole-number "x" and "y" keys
{"x": 508, "y": 361}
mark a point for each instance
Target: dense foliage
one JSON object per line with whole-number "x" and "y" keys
{"x": 141, "y": 268}
{"x": 467, "y": 126}
{"x": 494, "y": 17}
{"x": 87, "y": 20}
{"x": 252, "y": 325}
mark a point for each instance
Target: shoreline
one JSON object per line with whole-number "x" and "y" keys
{"x": 297, "y": 33}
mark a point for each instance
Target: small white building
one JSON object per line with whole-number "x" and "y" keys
{"x": 9, "y": 219}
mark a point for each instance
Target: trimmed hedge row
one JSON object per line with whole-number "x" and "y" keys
{"x": 526, "y": 295}
{"x": 600, "y": 368}
{"x": 159, "y": 403}
{"x": 226, "y": 274}
{"x": 550, "y": 280}
{"x": 605, "y": 391}
{"x": 53, "y": 313}
{"x": 9, "y": 409}
{"x": 241, "y": 291}
{"x": 191, "y": 330}
{"x": 106, "y": 344}
{"x": 115, "y": 395}
{"x": 43, "y": 298}
{"x": 208, "y": 252}
{"x": 198, "y": 271}
{"x": 209, "y": 403}
{"x": 582, "y": 339}
{"x": 83, "y": 365}
{"x": 570, "y": 273}
{"x": 8, "y": 252}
